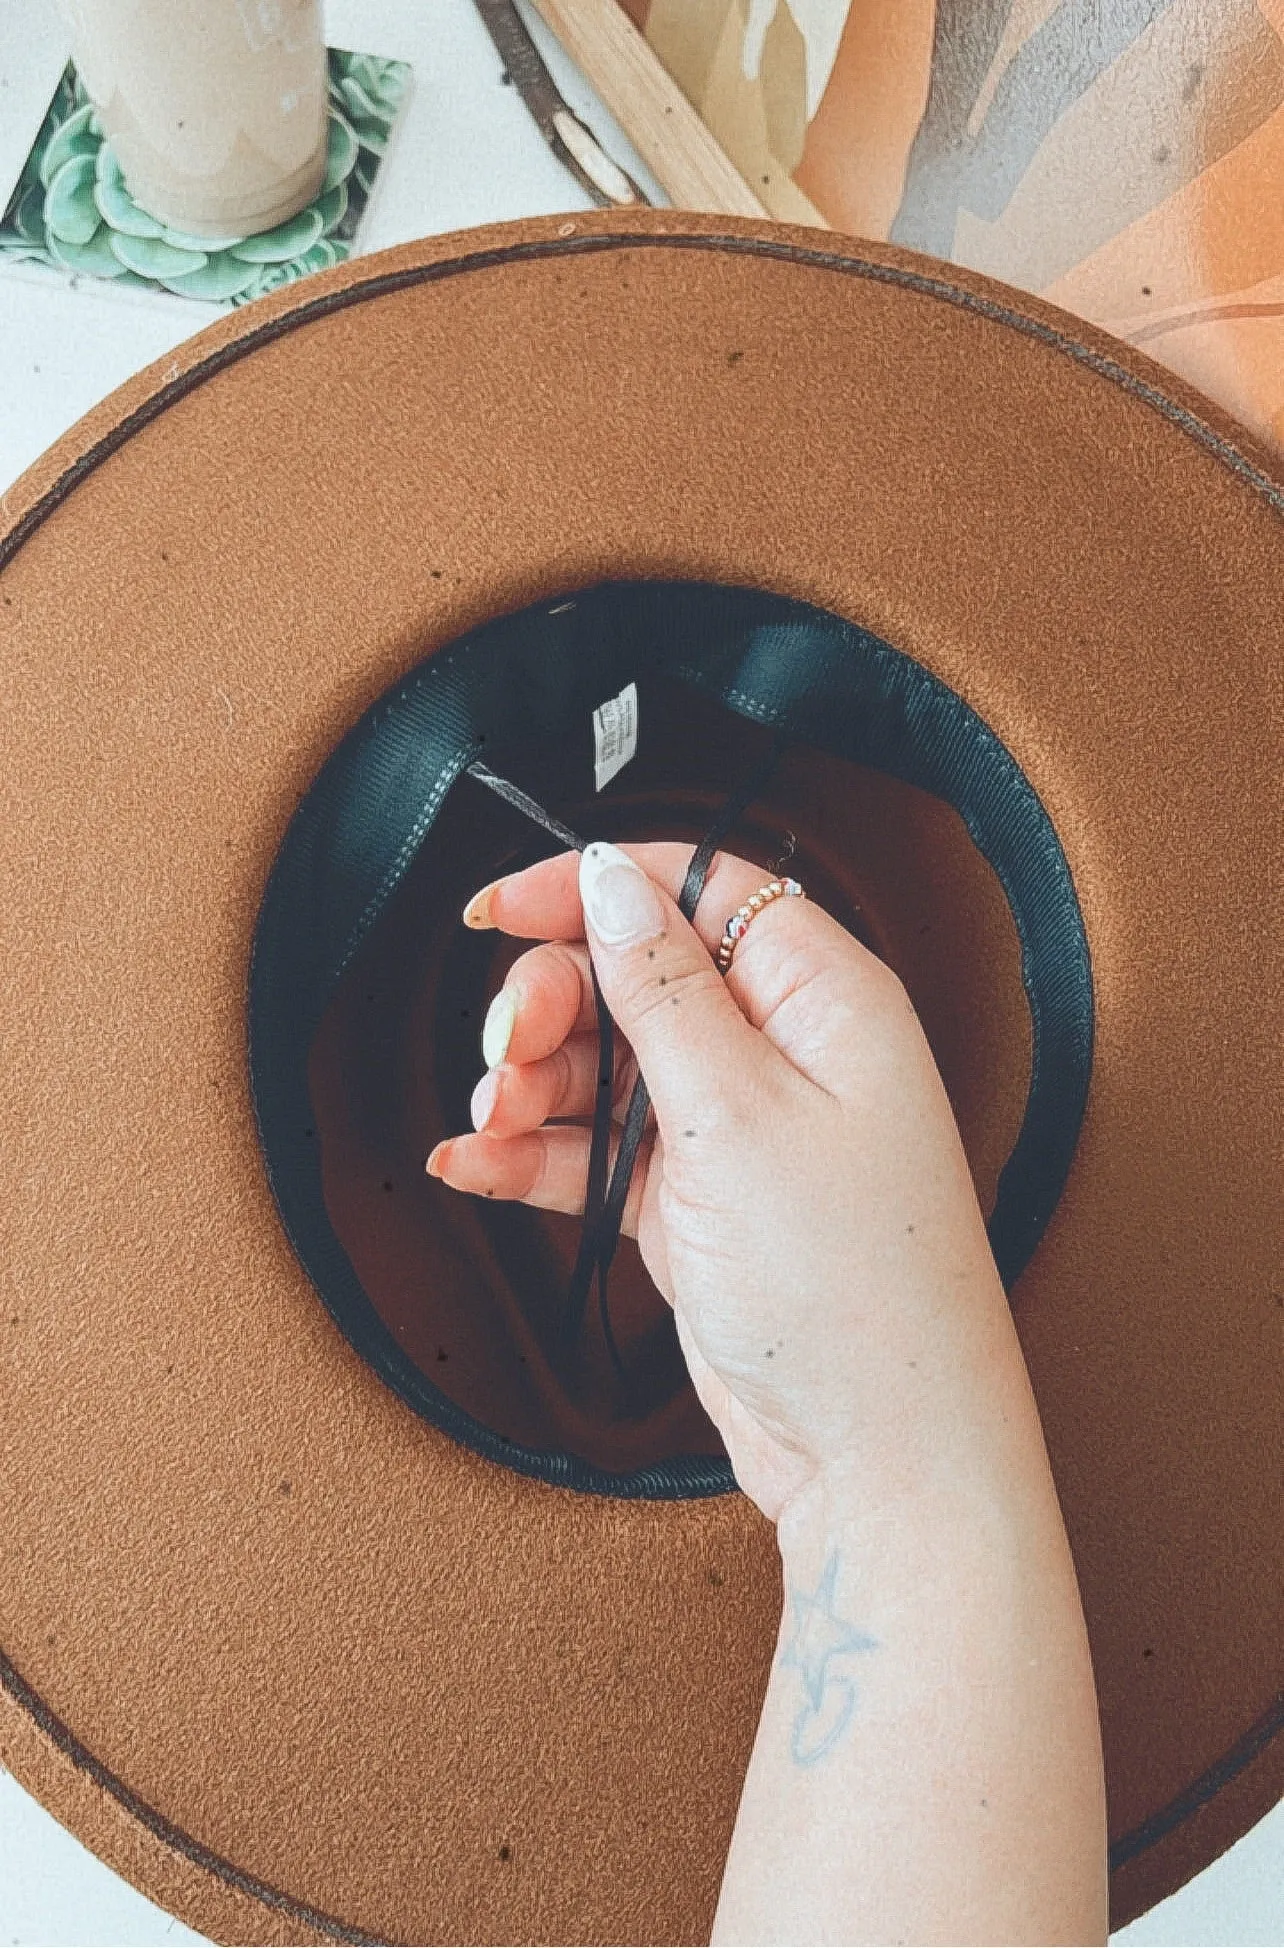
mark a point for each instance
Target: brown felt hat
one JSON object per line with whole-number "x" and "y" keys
{"x": 341, "y": 1597}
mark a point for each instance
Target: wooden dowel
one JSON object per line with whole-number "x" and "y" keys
{"x": 652, "y": 110}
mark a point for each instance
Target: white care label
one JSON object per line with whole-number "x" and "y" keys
{"x": 615, "y": 734}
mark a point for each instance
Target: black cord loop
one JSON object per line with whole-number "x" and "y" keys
{"x": 604, "y": 1201}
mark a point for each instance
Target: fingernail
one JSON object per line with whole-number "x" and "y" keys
{"x": 477, "y": 911}
{"x": 620, "y": 903}
{"x": 485, "y": 1096}
{"x": 433, "y": 1165}
{"x": 497, "y": 1029}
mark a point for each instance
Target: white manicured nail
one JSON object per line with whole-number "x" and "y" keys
{"x": 620, "y": 903}
{"x": 497, "y": 1029}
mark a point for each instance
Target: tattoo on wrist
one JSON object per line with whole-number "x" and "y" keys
{"x": 820, "y": 1636}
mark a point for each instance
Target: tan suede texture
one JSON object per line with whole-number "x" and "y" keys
{"x": 405, "y": 1692}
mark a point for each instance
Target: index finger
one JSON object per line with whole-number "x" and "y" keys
{"x": 798, "y": 976}
{"x": 543, "y": 901}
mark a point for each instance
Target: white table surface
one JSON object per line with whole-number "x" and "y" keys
{"x": 465, "y": 152}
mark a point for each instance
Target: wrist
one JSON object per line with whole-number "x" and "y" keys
{"x": 860, "y": 1510}
{"x": 951, "y": 1434}
{"x": 980, "y": 1483}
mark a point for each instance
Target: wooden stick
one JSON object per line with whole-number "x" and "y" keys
{"x": 649, "y": 106}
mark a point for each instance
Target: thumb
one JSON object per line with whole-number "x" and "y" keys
{"x": 662, "y": 987}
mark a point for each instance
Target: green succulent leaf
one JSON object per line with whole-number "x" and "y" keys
{"x": 76, "y": 137}
{"x": 321, "y": 257}
{"x": 222, "y": 277}
{"x": 385, "y": 82}
{"x": 70, "y": 211}
{"x": 332, "y": 208}
{"x": 363, "y": 69}
{"x": 360, "y": 106}
{"x": 151, "y": 257}
{"x": 107, "y": 168}
{"x": 29, "y": 218}
{"x": 31, "y": 167}
{"x": 96, "y": 256}
{"x": 206, "y": 245}
{"x": 270, "y": 278}
{"x": 372, "y": 136}
{"x": 287, "y": 240}
{"x": 118, "y": 209}
{"x": 341, "y": 151}
{"x": 64, "y": 103}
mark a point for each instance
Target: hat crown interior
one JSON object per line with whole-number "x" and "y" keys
{"x": 897, "y": 808}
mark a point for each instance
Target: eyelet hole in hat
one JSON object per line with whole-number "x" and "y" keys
{"x": 908, "y": 820}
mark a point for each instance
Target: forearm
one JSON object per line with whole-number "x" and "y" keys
{"x": 928, "y": 1763}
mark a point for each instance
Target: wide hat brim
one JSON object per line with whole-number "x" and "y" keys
{"x": 294, "y": 1661}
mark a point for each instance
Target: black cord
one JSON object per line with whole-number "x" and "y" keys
{"x": 604, "y": 1202}
{"x": 523, "y": 803}
{"x": 607, "y": 1226}
{"x": 600, "y": 1139}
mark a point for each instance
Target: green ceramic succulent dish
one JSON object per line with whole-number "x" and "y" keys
{"x": 71, "y": 208}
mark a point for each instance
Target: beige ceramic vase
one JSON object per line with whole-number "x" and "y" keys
{"x": 216, "y": 109}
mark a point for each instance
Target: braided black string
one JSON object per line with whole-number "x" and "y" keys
{"x": 606, "y": 1226}
{"x": 527, "y": 805}
{"x": 600, "y": 1138}
{"x": 604, "y": 1203}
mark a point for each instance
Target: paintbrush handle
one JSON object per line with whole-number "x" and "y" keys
{"x": 649, "y": 106}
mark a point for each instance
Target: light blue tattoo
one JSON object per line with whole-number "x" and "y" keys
{"x": 830, "y": 1699}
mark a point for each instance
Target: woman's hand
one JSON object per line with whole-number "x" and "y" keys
{"x": 806, "y": 1207}
{"x": 803, "y": 1202}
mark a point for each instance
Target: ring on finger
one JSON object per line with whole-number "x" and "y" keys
{"x": 738, "y": 925}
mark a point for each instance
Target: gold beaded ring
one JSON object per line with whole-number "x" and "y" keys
{"x": 735, "y": 929}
